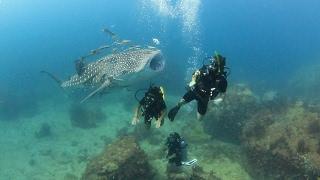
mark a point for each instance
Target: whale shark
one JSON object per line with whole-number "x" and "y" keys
{"x": 121, "y": 69}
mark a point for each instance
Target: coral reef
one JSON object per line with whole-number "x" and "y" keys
{"x": 189, "y": 173}
{"x": 70, "y": 176}
{"x": 122, "y": 159}
{"x": 194, "y": 132}
{"x": 284, "y": 144}
{"x": 85, "y": 116}
{"x": 227, "y": 120}
{"x": 140, "y": 132}
{"x": 199, "y": 174}
{"x": 195, "y": 172}
{"x": 178, "y": 172}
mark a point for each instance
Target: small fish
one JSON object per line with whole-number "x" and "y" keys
{"x": 156, "y": 41}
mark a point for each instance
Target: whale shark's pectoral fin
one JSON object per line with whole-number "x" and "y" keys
{"x": 104, "y": 85}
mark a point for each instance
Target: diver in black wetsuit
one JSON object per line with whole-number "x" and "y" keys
{"x": 177, "y": 152}
{"x": 80, "y": 66}
{"x": 207, "y": 83}
{"x": 151, "y": 106}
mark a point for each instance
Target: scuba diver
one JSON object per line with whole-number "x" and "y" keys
{"x": 151, "y": 106}
{"x": 207, "y": 83}
{"x": 177, "y": 150}
{"x": 80, "y": 66}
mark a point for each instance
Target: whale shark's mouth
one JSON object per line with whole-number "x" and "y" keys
{"x": 157, "y": 62}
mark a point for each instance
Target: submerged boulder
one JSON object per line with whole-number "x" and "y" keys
{"x": 122, "y": 159}
{"x": 284, "y": 144}
{"x": 226, "y": 120}
{"x": 85, "y": 116}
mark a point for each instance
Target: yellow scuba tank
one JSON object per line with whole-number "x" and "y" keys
{"x": 194, "y": 78}
{"x": 162, "y": 92}
{"x": 219, "y": 63}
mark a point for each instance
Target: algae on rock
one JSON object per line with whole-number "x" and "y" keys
{"x": 123, "y": 159}
{"x": 285, "y": 143}
{"x": 227, "y": 120}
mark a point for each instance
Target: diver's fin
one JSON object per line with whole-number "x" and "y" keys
{"x": 56, "y": 80}
{"x": 104, "y": 85}
{"x": 189, "y": 163}
{"x": 173, "y": 112}
{"x": 52, "y": 76}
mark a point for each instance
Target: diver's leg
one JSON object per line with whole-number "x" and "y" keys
{"x": 202, "y": 109}
{"x": 147, "y": 121}
{"x": 189, "y": 96}
{"x": 199, "y": 116}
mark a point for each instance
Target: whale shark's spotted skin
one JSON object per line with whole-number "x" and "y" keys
{"x": 111, "y": 66}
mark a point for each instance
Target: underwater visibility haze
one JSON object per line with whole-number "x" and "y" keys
{"x": 72, "y": 74}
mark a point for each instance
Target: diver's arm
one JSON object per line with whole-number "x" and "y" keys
{"x": 136, "y": 116}
{"x": 160, "y": 119}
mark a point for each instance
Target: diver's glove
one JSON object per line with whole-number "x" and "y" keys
{"x": 173, "y": 112}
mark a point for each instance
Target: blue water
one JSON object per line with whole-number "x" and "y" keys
{"x": 266, "y": 42}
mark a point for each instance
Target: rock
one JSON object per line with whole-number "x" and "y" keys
{"x": 175, "y": 172}
{"x": 193, "y": 132}
{"x": 44, "y": 131}
{"x": 189, "y": 173}
{"x": 226, "y": 120}
{"x": 85, "y": 116}
{"x": 141, "y": 133}
{"x": 122, "y": 159}
{"x": 199, "y": 174}
{"x": 284, "y": 143}
{"x": 70, "y": 176}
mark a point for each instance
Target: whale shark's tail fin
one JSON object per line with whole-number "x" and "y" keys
{"x": 56, "y": 80}
{"x": 52, "y": 76}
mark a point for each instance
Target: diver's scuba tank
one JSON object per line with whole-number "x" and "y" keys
{"x": 218, "y": 64}
{"x": 177, "y": 150}
{"x": 183, "y": 148}
{"x": 80, "y": 66}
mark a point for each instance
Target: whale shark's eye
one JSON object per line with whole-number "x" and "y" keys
{"x": 157, "y": 62}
